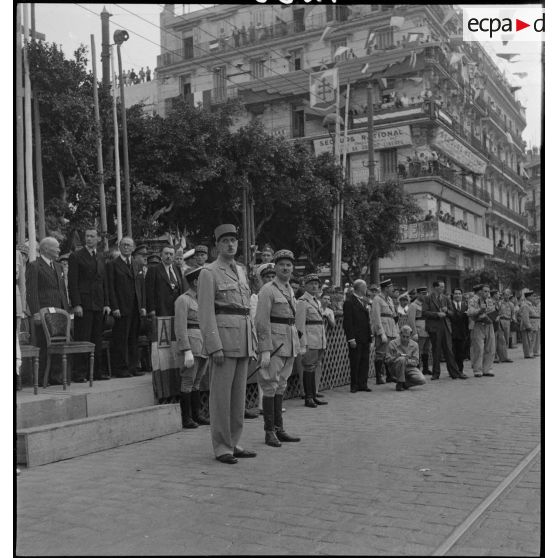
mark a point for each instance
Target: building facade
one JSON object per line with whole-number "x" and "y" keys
{"x": 446, "y": 123}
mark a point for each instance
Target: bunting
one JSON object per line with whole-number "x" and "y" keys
{"x": 364, "y": 68}
{"x": 507, "y": 56}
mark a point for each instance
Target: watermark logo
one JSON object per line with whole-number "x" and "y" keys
{"x": 503, "y": 24}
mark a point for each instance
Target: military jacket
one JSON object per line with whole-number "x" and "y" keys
{"x": 476, "y": 306}
{"x": 224, "y": 310}
{"x": 383, "y": 317}
{"x": 310, "y": 323}
{"x": 506, "y": 310}
{"x": 186, "y": 324}
{"x": 276, "y": 304}
{"x": 416, "y": 319}
{"x": 395, "y": 349}
{"x": 526, "y": 314}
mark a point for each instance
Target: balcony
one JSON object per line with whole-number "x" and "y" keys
{"x": 436, "y": 231}
{"x": 223, "y": 94}
{"x": 510, "y": 213}
{"x": 507, "y": 255}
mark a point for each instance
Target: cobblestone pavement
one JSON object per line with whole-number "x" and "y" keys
{"x": 375, "y": 473}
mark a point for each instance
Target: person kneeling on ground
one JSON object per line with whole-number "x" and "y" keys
{"x": 403, "y": 358}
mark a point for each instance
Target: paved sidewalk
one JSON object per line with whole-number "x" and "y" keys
{"x": 375, "y": 473}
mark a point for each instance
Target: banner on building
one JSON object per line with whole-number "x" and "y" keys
{"x": 324, "y": 88}
{"x": 461, "y": 154}
{"x": 387, "y": 138}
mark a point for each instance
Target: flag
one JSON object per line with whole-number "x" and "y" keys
{"x": 323, "y": 88}
{"x": 507, "y": 56}
{"x": 364, "y": 68}
{"x": 370, "y": 38}
{"x": 413, "y": 59}
{"x": 383, "y": 82}
{"x": 214, "y": 45}
{"x": 521, "y": 74}
{"x": 397, "y": 21}
{"x": 326, "y": 32}
{"x": 455, "y": 58}
{"x": 340, "y": 51}
{"x": 413, "y": 37}
{"x": 509, "y": 138}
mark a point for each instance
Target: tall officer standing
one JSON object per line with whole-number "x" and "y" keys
{"x": 228, "y": 339}
{"x": 276, "y": 331}
{"x": 527, "y": 317}
{"x": 418, "y": 326}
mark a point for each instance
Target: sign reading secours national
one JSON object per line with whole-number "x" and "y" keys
{"x": 383, "y": 139}
{"x": 458, "y": 152}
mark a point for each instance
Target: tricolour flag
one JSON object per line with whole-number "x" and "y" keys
{"x": 507, "y": 56}
{"x": 323, "y": 88}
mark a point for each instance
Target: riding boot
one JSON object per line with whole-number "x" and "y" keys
{"x": 186, "y": 411}
{"x": 307, "y": 380}
{"x": 425, "y": 370}
{"x": 282, "y": 436}
{"x": 378, "y": 366}
{"x": 196, "y": 404}
{"x": 314, "y": 391}
{"x": 268, "y": 404}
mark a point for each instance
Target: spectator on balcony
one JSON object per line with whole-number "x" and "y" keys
{"x": 429, "y": 216}
{"x": 434, "y": 162}
{"x": 404, "y": 100}
{"x": 147, "y": 74}
{"x": 423, "y": 164}
{"x": 500, "y": 244}
{"x": 141, "y": 75}
{"x": 440, "y": 215}
{"x": 401, "y": 170}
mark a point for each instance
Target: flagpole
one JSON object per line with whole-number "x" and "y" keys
{"x": 116, "y": 151}
{"x": 345, "y": 173}
{"x": 336, "y": 278}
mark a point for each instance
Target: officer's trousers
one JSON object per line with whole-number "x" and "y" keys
{"x": 537, "y": 343}
{"x": 312, "y": 361}
{"x": 273, "y": 379}
{"x": 502, "y": 339}
{"x": 406, "y": 373}
{"x": 190, "y": 378}
{"x": 227, "y": 396}
{"x": 528, "y": 341}
{"x": 483, "y": 347}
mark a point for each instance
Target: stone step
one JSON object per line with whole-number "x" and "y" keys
{"x": 39, "y": 445}
{"x": 54, "y": 405}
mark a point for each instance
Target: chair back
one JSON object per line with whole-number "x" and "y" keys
{"x": 24, "y": 333}
{"x": 56, "y": 325}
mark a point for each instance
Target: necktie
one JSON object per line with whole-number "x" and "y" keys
{"x": 459, "y": 306}
{"x": 128, "y": 262}
{"x": 172, "y": 277}
{"x": 93, "y": 253}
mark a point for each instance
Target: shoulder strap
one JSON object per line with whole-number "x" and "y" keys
{"x": 285, "y": 297}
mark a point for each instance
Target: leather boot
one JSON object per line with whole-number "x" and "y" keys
{"x": 196, "y": 404}
{"x": 186, "y": 411}
{"x": 399, "y": 386}
{"x": 282, "y": 436}
{"x": 314, "y": 390}
{"x": 425, "y": 370}
{"x": 378, "y": 366}
{"x": 389, "y": 377}
{"x": 268, "y": 404}
{"x": 308, "y": 393}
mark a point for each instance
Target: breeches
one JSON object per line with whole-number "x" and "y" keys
{"x": 191, "y": 377}
{"x": 381, "y": 348}
{"x": 312, "y": 362}
{"x": 273, "y": 379}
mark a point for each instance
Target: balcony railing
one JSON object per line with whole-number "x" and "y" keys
{"x": 504, "y": 210}
{"x": 509, "y": 255}
{"x": 437, "y": 231}
{"x": 223, "y": 94}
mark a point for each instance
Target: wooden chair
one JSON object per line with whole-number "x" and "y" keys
{"x": 56, "y": 326}
{"x": 29, "y": 350}
{"x": 108, "y": 324}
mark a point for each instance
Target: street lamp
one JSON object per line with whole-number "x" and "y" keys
{"x": 119, "y": 37}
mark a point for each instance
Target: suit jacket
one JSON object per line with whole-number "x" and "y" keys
{"x": 45, "y": 286}
{"x": 125, "y": 286}
{"x": 87, "y": 284}
{"x": 159, "y": 293}
{"x": 459, "y": 320}
{"x": 431, "y": 305}
{"x": 308, "y": 309}
{"x": 356, "y": 320}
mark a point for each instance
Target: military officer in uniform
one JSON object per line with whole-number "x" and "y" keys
{"x": 277, "y": 334}
{"x": 418, "y": 327}
{"x": 201, "y": 253}
{"x": 527, "y": 317}
{"x": 384, "y": 328}
{"x": 310, "y": 323}
{"x": 536, "y": 321}
{"x": 189, "y": 345}
{"x": 228, "y": 339}
{"x": 482, "y": 313}
{"x": 505, "y": 314}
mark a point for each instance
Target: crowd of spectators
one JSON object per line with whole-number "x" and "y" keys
{"x": 130, "y": 77}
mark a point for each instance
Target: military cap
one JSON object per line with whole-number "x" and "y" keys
{"x": 413, "y": 292}
{"x": 141, "y": 249}
{"x": 153, "y": 259}
{"x": 201, "y": 248}
{"x": 23, "y": 248}
{"x": 311, "y": 277}
{"x": 188, "y": 254}
{"x": 64, "y": 257}
{"x": 477, "y": 287}
{"x": 528, "y": 293}
{"x": 493, "y": 291}
{"x": 283, "y": 255}
{"x": 386, "y": 283}
{"x": 193, "y": 273}
{"x": 373, "y": 287}
{"x": 222, "y": 230}
{"x": 266, "y": 269}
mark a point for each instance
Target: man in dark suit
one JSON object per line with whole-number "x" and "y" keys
{"x": 435, "y": 308}
{"x": 163, "y": 285}
{"x": 127, "y": 300}
{"x": 45, "y": 288}
{"x": 459, "y": 327}
{"x": 356, "y": 323}
{"x": 89, "y": 297}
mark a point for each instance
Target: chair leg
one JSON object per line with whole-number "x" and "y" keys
{"x": 109, "y": 367}
{"x": 64, "y": 372}
{"x": 47, "y": 371}
{"x": 35, "y": 375}
{"x": 91, "y": 367}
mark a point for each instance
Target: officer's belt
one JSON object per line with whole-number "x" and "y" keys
{"x": 314, "y": 322}
{"x": 231, "y": 310}
{"x": 279, "y": 320}
{"x": 192, "y": 326}
{"x": 386, "y": 315}
{"x": 535, "y": 318}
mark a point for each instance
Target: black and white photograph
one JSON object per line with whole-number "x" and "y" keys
{"x": 279, "y": 279}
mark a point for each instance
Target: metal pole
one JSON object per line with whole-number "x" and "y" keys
{"x": 100, "y": 169}
{"x": 116, "y": 151}
{"x": 105, "y": 47}
{"x": 345, "y": 173}
{"x": 20, "y": 149}
{"x": 33, "y": 21}
{"x": 29, "y": 144}
{"x": 245, "y": 223}
{"x": 39, "y": 169}
{"x": 125, "y": 147}
{"x": 371, "y": 177}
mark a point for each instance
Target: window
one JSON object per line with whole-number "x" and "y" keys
{"x": 384, "y": 39}
{"x": 298, "y": 17}
{"x": 338, "y": 44}
{"x": 188, "y": 47}
{"x": 257, "y": 68}
{"x": 508, "y": 198}
{"x": 297, "y": 117}
{"x": 388, "y": 163}
{"x": 295, "y": 61}
{"x": 500, "y": 197}
{"x": 337, "y": 13}
{"x": 220, "y": 82}
{"x": 185, "y": 85}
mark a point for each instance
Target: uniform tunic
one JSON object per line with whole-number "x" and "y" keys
{"x": 418, "y": 325}
{"x": 483, "y": 345}
{"x": 527, "y": 319}
{"x": 383, "y": 323}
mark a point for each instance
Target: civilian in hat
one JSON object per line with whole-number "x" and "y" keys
{"x": 435, "y": 309}
{"x": 418, "y": 328}
{"x": 227, "y": 332}
{"x": 356, "y": 325}
{"x": 278, "y": 345}
{"x": 201, "y": 253}
{"x": 527, "y": 319}
{"x": 189, "y": 346}
{"x": 482, "y": 314}
{"x": 267, "y": 254}
{"x": 89, "y": 298}
{"x": 506, "y": 313}
{"x": 140, "y": 258}
{"x": 310, "y": 324}
{"x": 459, "y": 326}
{"x": 403, "y": 358}
{"x": 384, "y": 328}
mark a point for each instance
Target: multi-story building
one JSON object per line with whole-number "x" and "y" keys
{"x": 533, "y": 204}
{"x": 446, "y": 123}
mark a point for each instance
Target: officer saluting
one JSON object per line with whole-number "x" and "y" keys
{"x": 275, "y": 327}
{"x": 227, "y": 333}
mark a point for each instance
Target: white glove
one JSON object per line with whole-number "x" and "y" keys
{"x": 302, "y": 351}
{"x": 188, "y": 359}
{"x": 266, "y": 359}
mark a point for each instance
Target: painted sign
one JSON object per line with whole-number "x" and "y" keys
{"x": 462, "y": 155}
{"x": 386, "y": 138}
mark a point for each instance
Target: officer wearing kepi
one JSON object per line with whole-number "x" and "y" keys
{"x": 228, "y": 339}
{"x": 278, "y": 345}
